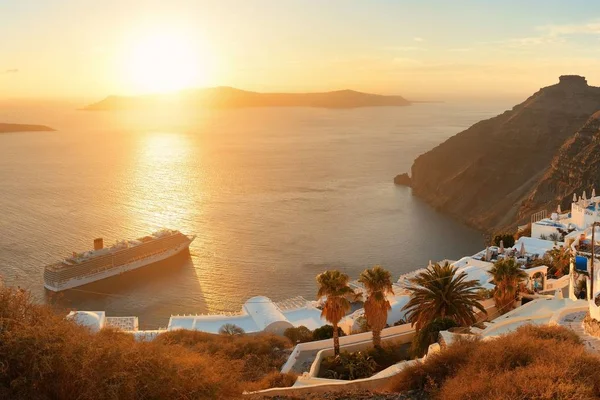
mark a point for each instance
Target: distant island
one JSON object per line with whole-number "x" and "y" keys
{"x": 10, "y": 128}
{"x": 227, "y": 97}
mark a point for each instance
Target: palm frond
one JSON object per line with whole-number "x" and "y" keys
{"x": 333, "y": 285}
{"x": 441, "y": 292}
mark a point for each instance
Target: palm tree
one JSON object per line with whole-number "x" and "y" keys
{"x": 378, "y": 283}
{"x": 558, "y": 261}
{"x": 429, "y": 334}
{"x": 507, "y": 276}
{"x": 561, "y": 261}
{"x": 333, "y": 285}
{"x": 439, "y": 292}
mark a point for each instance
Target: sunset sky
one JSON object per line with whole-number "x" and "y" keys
{"x": 91, "y": 48}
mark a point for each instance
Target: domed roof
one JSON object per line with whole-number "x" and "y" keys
{"x": 263, "y": 311}
{"x": 92, "y": 319}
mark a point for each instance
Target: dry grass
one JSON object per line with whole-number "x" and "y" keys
{"x": 271, "y": 380}
{"x": 346, "y": 395}
{"x": 532, "y": 363}
{"x": 44, "y": 356}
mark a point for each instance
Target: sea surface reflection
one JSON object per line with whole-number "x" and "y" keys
{"x": 274, "y": 196}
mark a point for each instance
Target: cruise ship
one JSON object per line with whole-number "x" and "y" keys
{"x": 104, "y": 262}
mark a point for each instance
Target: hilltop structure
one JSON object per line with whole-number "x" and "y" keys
{"x": 573, "y": 80}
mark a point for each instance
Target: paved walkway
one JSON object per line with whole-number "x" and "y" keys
{"x": 574, "y": 321}
{"x": 304, "y": 361}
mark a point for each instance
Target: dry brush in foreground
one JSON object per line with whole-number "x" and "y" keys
{"x": 44, "y": 356}
{"x": 536, "y": 362}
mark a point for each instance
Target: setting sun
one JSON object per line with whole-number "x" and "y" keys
{"x": 166, "y": 61}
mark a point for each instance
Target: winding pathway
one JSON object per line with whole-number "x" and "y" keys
{"x": 574, "y": 321}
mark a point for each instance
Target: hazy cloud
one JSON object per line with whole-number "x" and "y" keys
{"x": 10, "y": 71}
{"x": 530, "y": 41}
{"x": 589, "y": 28}
{"x": 405, "y": 48}
{"x": 407, "y": 62}
{"x": 460, "y": 50}
{"x": 418, "y": 39}
{"x": 553, "y": 34}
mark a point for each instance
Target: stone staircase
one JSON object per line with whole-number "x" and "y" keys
{"x": 574, "y": 321}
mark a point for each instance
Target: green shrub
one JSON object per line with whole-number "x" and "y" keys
{"x": 300, "y": 334}
{"x": 555, "y": 237}
{"x": 348, "y": 366}
{"x": 485, "y": 294}
{"x": 363, "y": 364}
{"x": 326, "y": 332}
{"x": 389, "y": 354}
{"x": 507, "y": 238}
{"x": 429, "y": 335}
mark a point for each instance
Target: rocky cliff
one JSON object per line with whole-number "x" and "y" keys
{"x": 487, "y": 175}
{"x": 575, "y": 168}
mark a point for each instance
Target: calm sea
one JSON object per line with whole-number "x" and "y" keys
{"x": 275, "y": 196}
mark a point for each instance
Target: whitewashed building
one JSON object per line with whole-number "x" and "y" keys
{"x": 583, "y": 213}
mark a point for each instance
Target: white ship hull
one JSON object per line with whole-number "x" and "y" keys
{"x": 75, "y": 282}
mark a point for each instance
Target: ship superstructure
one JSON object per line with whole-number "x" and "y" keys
{"x": 103, "y": 262}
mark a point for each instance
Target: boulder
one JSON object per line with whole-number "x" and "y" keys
{"x": 402, "y": 179}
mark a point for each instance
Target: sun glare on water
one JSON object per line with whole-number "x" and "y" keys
{"x": 166, "y": 61}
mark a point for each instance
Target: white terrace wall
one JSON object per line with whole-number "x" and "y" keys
{"x": 553, "y": 284}
{"x": 594, "y": 310}
{"x": 344, "y": 341}
{"x": 319, "y": 385}
{"x": 327, "y": 386}
{"x": 401, "y": 338}
{"x": 537, "y": 230}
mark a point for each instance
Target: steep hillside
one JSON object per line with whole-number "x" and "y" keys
{"x": 483, "y": 174}
{"x": 574, "y": 169}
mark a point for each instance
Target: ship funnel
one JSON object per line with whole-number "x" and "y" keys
{"x": 98, "y": 244}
